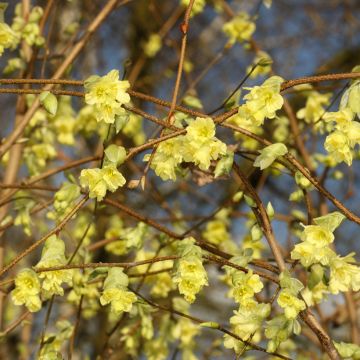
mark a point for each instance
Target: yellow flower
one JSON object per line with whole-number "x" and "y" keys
{"x": 290, "y": 303}
{"x": 115, "y": 292}
{"x": 338, "y": 145}
{"x": 245, "y": 286}
{"x": 153, "y": 45}
{"x": 112, "y": 177}
{"x": 107, "y": 94}
{"x": 201, "y": 129}
{"x": 309, "y": 254}
{"x": 198, "y": 6}
{"x": 100, "y": 180}
{"x": 120, "y": 299}
{"x": 248, "y": 319}
{"x": 27, "y": 290}
{"x": 216, "y": 232}
{"x": 240, "y": 28}
{"x": 200, "y": 144}
{"x": 167, "y": 158}
{"x": 190, "y": 277}
{"x": 263, "y": 101}
{"x": 315, "y": 107}
{"x": 92, "y": 178}
{"x": 53, "y": 254}
{"x": 317, "y": 235}
{"x": 8, "y": 38}
{"x": 343, "y": 275}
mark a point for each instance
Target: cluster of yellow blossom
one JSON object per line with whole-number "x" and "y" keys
{"x": 288, "y": 297}
{"x": 53, "y": 341}
{"x": 346, "y": 135}
{"x": 64, "y": 199}
{"x": 153, "y": 45}
{"x": 261, "y": 65}
{"x": 27, "y": 290}
{"x": 315, "y": 105}
{"x": 115, "y": 292}
{"x": 53, "y": 254}
{"x": 198, "y": 6}
{"x": 161, "y": 284}
{"x": 122, "y": 238}
{"x": 28, "y": 29}
{"x": 185, "y": 330}
{"x": 8, "y": 37}
{"x": 190, "y": 274}
{"x": 87, "y": 291}
{"x": 198, "y": 146}
{"x": 107, "y": 94}
{"x": 246, "y": 322}
{"x": 99, "y": 181}
{"x": 216, "y": 232}
{"x": 23, "y": 205}
{"x": 240, "y": 28}
{"x": 248, "y": 319}
{"x": 315, "y": 252}
{"x": 282, "y": 326}
{"x": 261, "y": 102}
{"x": 279, "y": 329}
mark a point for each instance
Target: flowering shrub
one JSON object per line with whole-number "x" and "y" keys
{"x": 143, "y": 217}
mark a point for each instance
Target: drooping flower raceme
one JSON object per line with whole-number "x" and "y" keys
{"x": 116, "y": 293}
{"x": 53, "y": 254}
{"x": 98, "y": 181}
{"x": 27, "y": 290}
{"x": 8, "y": 38}
{"x": 198, "y": 146}
{"x": 190, "y": 274}
{"x": 341, "y": 142}
{"x": 260, "y": 103}
{"x": 64, "y": 199}
{"x": 263, "y": 101}
{"x": 107, "y": 94}
{"x": 316, "y": 239}
{"x": 201, "y": 145}
{"x": 240, "y": 28}
{"x": 245, "y": 322}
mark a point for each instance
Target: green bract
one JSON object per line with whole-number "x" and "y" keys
{"x": 269, "y": 155}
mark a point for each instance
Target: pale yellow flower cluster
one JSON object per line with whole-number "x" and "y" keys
{"x": 198, "y": 146}
{"x": 153, "y": 45}
{"x": 53, "y": 254}
{"x": 260, "y": 103}
{"x": 341, "y": 142}
{"x": 27, "y": 290}
{"x": 198, "y": 6}
{"x": 8, "y": 37}
{"x": 315, "y": 251}
{"x": 240, "y": 28}
{"x": 115, "y": 292}
{"x": 190, "y": 274}
{"x": 107, "y": 94}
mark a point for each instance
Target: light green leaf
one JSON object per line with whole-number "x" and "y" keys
{"x": 269, "y": 154}
{"x": 49, "y": 102}
{"x": 115, "y": 154}
{"x": 192, "y": 101}
{"x": 330, "y": 221}
{"x": 224, "y": 165}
